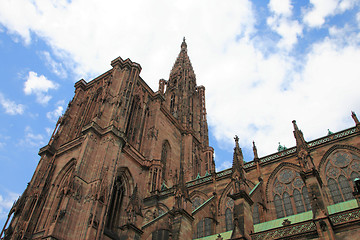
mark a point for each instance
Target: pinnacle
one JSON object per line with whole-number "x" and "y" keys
{"x": 182, "y": 62}
{"x": 183, "y": 45}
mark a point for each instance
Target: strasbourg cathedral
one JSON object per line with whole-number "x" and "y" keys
{"x": 125, "y": 162}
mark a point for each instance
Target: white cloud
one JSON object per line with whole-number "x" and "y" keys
{"x": 11, "y": 107}
{"x": 88, "y": 44}
{"x": 249, "y": 92}
{"x": 48, "y": 131}
{"x": 31, "y": 139}
{"x": 358, "y": 19}
{"x": 281, "y": 7}
{"x": 55, "y": 67}
{"x": 321, "y": 9}
{"x": 54, "y": 115}
{"x": 224, "y": 165}
{"x": 6, "y": 202}
{"x": 39, "y": 85}
{"x": 282, "y": 24}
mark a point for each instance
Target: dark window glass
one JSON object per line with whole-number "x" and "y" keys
{"x": 345, "y": 188}
{"x": 287, "y": 205}
{"x": 305, "y": 194}
{"x": 200, "y": 228}
{"x": 208, "y": 228}
{"x": 334, "y": 191}
{"x": 299, "y": 204}
{"x": 161, "y": 234}
{"x": 228, "y": 219}
{"x": 278, "y": 207}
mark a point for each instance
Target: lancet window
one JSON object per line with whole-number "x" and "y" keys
{"x": 204, "y": 227}
{"x": 290, "y": 194}
{"x": 134, "y": 121}
{"x": 229, "y": 208}
{"x": 115, "y": 208}
{"x": 172, "y": 103}
{"x": 341, "y": 168}
{"x": 165, "y": 152}
{"x": 196, "y": 202}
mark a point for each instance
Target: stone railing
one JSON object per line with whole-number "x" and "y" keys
{"x": 303, "y": 228}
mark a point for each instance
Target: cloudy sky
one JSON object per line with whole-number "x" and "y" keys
{"x": 263, "y": 63}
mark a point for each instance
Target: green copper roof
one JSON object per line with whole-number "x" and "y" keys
{"x": 301, "y": 217}
{"x": 256, "y": 186}
{"x": 343, "y": 206}
{"x": 224, "y": 235}
{"x": 204, "y": 203}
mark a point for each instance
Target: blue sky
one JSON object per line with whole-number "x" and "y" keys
{"x": 263, "y": 63}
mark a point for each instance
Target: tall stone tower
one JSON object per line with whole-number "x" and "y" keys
{"x": 116, "y": 147}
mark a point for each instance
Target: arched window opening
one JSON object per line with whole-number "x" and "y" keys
{"x": 208, "y": 227}
{"x": 165, "y": 152}
{"x": 334, "y": 191}
{"x": 256, "y": 214}
{"x": 196, "y": 202}
{"x": 299, "y": 204}
{"x": 31, "y": 208}
{"x": 288, "y": 181}
{"x": 154, "y": 179}
{"x": 115, "y": 208}
{"x": 200, "y": 228}
{"x": 229, "y": 219}
{"x": 340, "y": 170}
{"x": 305, "y": 194}
{"x": 287, "y": 204}
{"x": 172, "y": 103}
{"x": 278, "y": 207}
{"x": 196, "y": 167}
{"x": 60, "y": 199}
{"x": 204, "y": 227}
{"x": 345, "y": 188}
{"x": 134, "y": 119}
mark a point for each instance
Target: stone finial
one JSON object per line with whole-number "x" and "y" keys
{"x": 300, "y": 141}
{"x": 183, "y": 44}
{"x": 255, "y": 151}
{"x": 356, "y": 120}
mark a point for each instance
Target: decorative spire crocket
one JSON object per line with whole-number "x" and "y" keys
{"x": 302, "y": 148}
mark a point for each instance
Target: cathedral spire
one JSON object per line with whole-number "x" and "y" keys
{"x": 182, "y": 70}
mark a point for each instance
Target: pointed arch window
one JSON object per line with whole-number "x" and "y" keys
{"x": 165, "y": 152}
{"x": 279, "y": 207}
{"x": 290, "y": 194}
{"x": 115, "y": 207}
{"x": 200, "y": 228}
{"x": 196, "y": 202}
{"x": 204, "y": 227}
{"x": 172, "y": 103}
{"x": 341, "y": 168}
{"x": 229, "y": 219}
{"x": 134, "y": 119}
{"x": 287, "y": 204}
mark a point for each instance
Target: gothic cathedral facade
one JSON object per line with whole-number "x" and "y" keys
{"x": 125, "y": 162}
